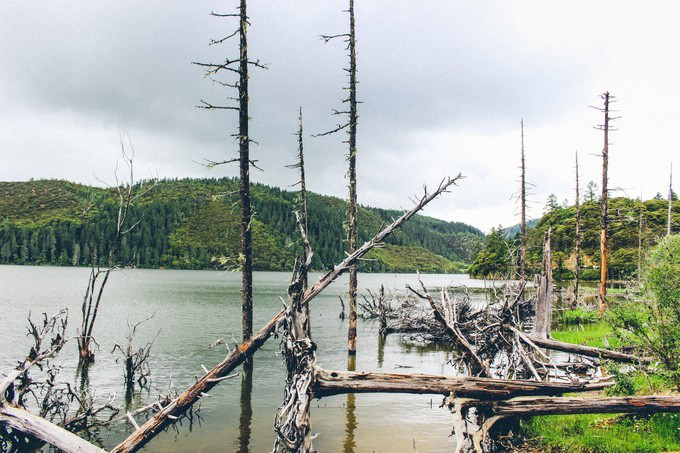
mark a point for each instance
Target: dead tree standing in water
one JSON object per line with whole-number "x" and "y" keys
{"x": 351, "y": 127}
{"x": 604, "y": 200}
{"x": 577, "y": 240}
{"x": 127, "y": 194}
{"x": 240, "y": 68}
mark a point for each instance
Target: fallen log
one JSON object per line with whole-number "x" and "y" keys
{"x": 531, "y": 406}
{"x": 27, "y": 423}
{"x": 329, "y": 383}
{"x": 588, "y": 351}
{"x": 180, "y": 405}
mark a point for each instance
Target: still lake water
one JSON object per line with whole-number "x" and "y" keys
{"x": 194, "y": 308}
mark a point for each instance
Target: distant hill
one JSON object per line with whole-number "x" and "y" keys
{"x": 624, "y": 236}
{"x": 194, "y": 223}
{"x": 510, "y": 232}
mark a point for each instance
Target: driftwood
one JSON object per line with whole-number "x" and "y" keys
{"x": 327, "y": 383}
{"x": 162, "y": 419}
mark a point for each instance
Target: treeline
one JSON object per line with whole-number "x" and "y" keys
{"x": 194, "y": 223}
{"x": 634, "y": 227}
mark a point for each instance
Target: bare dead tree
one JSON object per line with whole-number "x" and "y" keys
{"x": 135, "y": 360}
{"x": 523, "y": 219}
{"x": 604, "y": 200}
{"x": 127, "y": 193}
{"x": 670, "y": 202}
{"x": 351, "y": 127}
{"x": 240, "y": 68}
{"x": 577, "y": 239}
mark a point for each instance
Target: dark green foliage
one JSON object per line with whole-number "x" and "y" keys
{"x": 493, "y": 260}
{"x": 193, "y": 223}
{"x": 623, "y": 236}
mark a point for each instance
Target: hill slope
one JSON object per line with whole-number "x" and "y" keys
{"x": 193, "y": 223}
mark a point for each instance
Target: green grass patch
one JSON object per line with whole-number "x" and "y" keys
{"x": 604, "y": 432}
{"x": 590, "y": 335}
{"x": 578, "y": 316}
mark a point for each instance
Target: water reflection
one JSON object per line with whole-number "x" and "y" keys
{"x": 381, "y": 349}
{"x": 246, "y": 409}
{"x": 351, "y": 420}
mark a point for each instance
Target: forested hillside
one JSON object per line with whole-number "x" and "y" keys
{"x": 193, "y": 223}
{"x": 625, "y": 232}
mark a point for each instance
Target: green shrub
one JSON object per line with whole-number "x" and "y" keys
{"x": 654, "y": 321}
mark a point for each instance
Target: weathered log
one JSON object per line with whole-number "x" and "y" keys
{"x": 529, "y": 406}
{"x": 329, "y": 383}
{"x": 163, "y": 418}
{"x": 27, "y": 423}
{"x": 588, "y": 351}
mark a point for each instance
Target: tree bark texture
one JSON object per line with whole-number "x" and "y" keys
{"x": 545, "y": 293}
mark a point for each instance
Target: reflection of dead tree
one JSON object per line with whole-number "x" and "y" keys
{"x": 15, "y": 389}
{"x": 136, "y": 361}
{"x": 220, "y": 371}
{"x": 292, "y": 424}
{"x": 127, "y": 193}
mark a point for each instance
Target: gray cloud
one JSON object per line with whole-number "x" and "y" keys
{"x": 443, "y": 84}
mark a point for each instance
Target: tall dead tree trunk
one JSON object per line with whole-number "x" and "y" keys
{"x": 523, "y": 219}
{"x": 246, "y": 255}
{"x": 577, "y": 240}
{"x": 670, "y": 202}
{"x": 240, "y": 68}
{"x": 545, "y": 292}
{"x": 604, "y": 202}
{"x": 351, "y": 127}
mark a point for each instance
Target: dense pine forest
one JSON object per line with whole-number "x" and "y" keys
{"x": 634, "y": 227}
{"x": 194, "y": 224}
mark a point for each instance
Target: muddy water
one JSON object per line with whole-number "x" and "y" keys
{"x": 194, "y": 308}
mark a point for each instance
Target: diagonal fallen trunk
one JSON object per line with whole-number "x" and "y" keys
{"x": 180, "y": 405}
{"x": 329, "y": 383}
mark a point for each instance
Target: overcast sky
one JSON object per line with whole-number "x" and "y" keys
{"x": 444, "y": 85}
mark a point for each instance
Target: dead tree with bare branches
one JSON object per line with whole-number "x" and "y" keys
{"x": 523, "y": 218}
{"x": 351, "y": 128}
{"x": 126, "y": 193}
{"x": 577, "y": 239}
{"x": 604, "y": 200}
{"x": 21, "y": 429}
{"x": 239, "y": 68}
{"x": 135, "y": 360}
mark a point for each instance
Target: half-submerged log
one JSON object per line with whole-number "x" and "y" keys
{"x": 180, "y": 405}
{"x": 327, "y": 383}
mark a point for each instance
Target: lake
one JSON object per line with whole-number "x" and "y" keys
{"x": 194, "y": 308}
